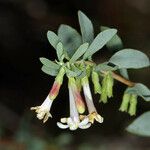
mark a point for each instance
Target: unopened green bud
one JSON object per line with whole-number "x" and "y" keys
{"x": 110, "y": 83}
{"x": 96, "y": 82}
{"x": 103, "y": 97}
{"x": 125, "y": 102}
{"x": 133, "y": 104}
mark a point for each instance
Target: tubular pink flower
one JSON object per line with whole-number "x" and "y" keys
{"x": 79, "y": 102}
{"x": 55, "y": 90}
{"x": 93, "y": 115}
{"x": 73, "y": 122}
{"x": 43, "y": 111}
{"x": 77, "y": 96}
{"x": 57, "y": 84}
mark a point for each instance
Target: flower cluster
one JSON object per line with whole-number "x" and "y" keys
{"x": 77, "y": 118}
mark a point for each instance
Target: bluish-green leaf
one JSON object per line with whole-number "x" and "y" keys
{"x": 79, "y": 52}
{"x": 70, "y": 39}
{"x": 130, "y": 58}
{"x": 71, "y": 73}
{"x": 124, "y": 73}
{"x": 141, "y": 90}
{"x": 52, "y": 38}
{"x": 59, "y": 51}
{"x": 115, "y": 43}
{"x": 100, "y": 40}
{"x": 141, "y": 126}
{"x": 105, "y": 67}
{"x": 49, "y": 63}
{"x": 86, "y": 27}
{"x": 49, "y": 71}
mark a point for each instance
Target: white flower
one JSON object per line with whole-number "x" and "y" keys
{"x": 93, "y": 115}
{"x": 73, "y": 122}
{"x": 43, "y": 111}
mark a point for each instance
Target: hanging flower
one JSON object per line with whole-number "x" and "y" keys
{"x": 73, "y": 122}
{"x": 93, "y": 115}
{"x": 43, "y": 111}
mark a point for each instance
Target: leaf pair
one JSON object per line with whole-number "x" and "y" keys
{"x": 87, "y": 32}
{"x": 54, "y": 40}
{"x": 49, "y": 67}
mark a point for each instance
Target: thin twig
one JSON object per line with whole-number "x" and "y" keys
{"x": 115, "y": 76}
{"x": 121, "y": 79}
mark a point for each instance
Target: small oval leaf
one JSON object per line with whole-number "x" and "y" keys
{"x": 130, "y": 58}
{"x": 101, "y": 39}
{"x": 70, "y": 39}
{"x": 59, "y": 50}
{"x": 49, "y": 63}
{"x": 115, "y": 43}
{"x": 86, "y": 27}
{"x": 52, "y": 38}
{"x": 79, "y": 52}
{"x": 49, "y": 71}
{"x": 140, "y": 126}
{"x": 105, "y": 67}
{"x": 71, "y": 73}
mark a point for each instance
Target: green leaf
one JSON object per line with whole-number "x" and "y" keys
{"x": 105, "y": 67}
{"x": 79, "y": 52}
{"x": 130, "y": 58}
{"x": 100, "y": 40}
{"x": 141, "y": 126}
{"x": 115, "y": 43}
{"x": 141, "y": 90}
{"x": 70, "y": 39}
{"x": 49, "y": 71}
{"x": 71, "y": 73}
{"x": 86, "y": 27}
{"x": 59, "y": 51}
{"x": 52, "y": 38}
{"x": 124, "y": 73}
{"x": 49, "y": 63}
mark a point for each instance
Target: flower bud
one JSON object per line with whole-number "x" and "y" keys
{"x": 96, "y": 82}
{"x": 133, "y": 104}
{"x": 110, "y": 83}
{"x": 125, "y": 102}
{"x": 103, "y": 97}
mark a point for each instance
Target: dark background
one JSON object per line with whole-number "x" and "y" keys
{"x": 23, "y": 28}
